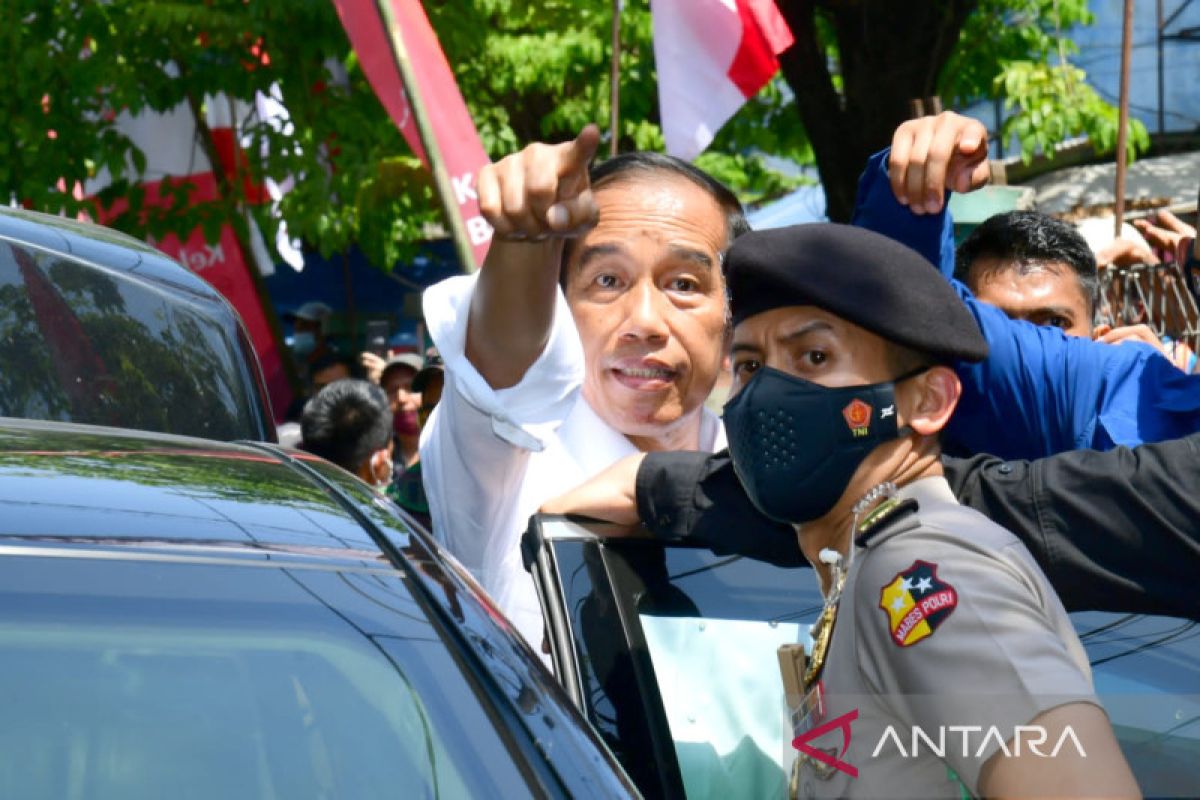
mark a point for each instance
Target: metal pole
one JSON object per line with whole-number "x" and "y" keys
{"x": 615, "y": 78}
{"x": 441, "y": 178}
{"x": 1123, "y": 129}
{"x": 1162, "y": 125}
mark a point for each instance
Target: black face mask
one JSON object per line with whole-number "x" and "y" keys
{"x": 796, "y": 444}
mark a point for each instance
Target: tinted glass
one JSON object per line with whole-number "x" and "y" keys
{"x": 712, "y": 625}
{"x": 83, "y": 344}
{"x": 125, "y": 679}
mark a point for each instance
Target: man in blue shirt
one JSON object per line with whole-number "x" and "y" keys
{"x": 1048, "y": 392}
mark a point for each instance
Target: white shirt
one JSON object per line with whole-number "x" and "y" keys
{"x": 490, "y": 458}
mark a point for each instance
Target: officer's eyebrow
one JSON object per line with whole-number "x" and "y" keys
{"x": 805, "y": 330}
{"x": 744, "y": 347}
{"x": 787, "y": 338}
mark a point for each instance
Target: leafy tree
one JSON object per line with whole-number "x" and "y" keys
{"x": 855, "y": 67}
{"x": 529, "y": 70}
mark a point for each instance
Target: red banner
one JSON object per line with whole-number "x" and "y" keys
{"x": 457, "y": 139}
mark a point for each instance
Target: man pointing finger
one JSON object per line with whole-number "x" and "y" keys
{"x": 595, "y": 328}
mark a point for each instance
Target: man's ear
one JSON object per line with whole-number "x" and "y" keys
{"x": 934, "y": 396}
{"x": 378, "y": 468}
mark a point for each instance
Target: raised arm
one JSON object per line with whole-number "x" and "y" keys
{"x": 535, "y": 200}
{"x": 904, "y": 190}
{"x": 1038, "y": 392}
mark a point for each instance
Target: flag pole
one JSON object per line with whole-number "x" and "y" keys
{"x": 441, "y": 178}
{"x": 615, "y": 78}
{"x": 1123, "y": 123}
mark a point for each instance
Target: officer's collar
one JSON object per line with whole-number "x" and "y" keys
{"x": 899, "y": 513}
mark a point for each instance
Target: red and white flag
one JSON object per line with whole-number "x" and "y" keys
{"x": 712, "y": 56}
{"x": 435, "y": 88}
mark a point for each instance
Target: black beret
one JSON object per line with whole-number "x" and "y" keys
{"x": 856, "y": 274}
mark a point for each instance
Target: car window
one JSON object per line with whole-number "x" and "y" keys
{"x": 714, "y": 655}
{"x": 149, "y": 679}
{"x": 713, "y": 630}
{"x": 712, "y": 625}
{"x": 81, "y": 344}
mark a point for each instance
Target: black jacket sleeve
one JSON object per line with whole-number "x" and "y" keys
{"x": 696, "y": 496}
{"x": 1114, "y": 531}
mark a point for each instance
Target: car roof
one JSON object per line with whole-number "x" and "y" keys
{"x": 71, "y": 481}
{"x": 99, "y": 245}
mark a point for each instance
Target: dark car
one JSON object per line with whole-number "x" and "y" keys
{"x": 100, "y": 328}
{"x": 671, "y": 652}
{"x": 190, "y": 619}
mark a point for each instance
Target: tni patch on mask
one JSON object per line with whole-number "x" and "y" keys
{"x": 858, "y": 417}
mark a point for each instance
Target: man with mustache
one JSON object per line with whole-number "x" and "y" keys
{"x": 596, "y": 328}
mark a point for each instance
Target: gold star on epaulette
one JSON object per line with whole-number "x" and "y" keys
{"x": 881, "y": 516}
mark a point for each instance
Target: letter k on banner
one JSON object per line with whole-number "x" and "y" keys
{"x": 841, "y": 723}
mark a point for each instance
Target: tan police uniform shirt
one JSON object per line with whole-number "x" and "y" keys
{"x": 946, "y": 624}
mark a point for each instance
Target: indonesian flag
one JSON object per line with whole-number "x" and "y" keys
{"x": 712, "y": 56}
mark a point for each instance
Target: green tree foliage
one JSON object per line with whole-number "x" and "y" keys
{"x": 855, "y": 67}
{"x": 528, "y": 69}
{"x": 1053, "y": 103}
{"x": 1018, "y": 51}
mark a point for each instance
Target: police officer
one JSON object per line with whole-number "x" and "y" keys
{"x": 937, "y": 621}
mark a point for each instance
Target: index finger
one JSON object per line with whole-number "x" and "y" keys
{"x": 1136, "y": 333}
{"x": 576, "y": 155}
{"x": 1174, "y": 223}
{"x": 902, "y": 142}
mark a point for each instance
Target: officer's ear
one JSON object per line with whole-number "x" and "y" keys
{"x": 932, "y": 397}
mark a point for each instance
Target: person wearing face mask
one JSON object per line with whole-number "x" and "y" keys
{"x": 350, "y": 424}
{"x": 400, "y": 381}
{"x": 396, "y": 380}
{"x": 843, "y": 351}
{"x": 308, "y": 333}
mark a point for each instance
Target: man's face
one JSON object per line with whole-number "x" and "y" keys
{"x": 811, "y": 344}
{"x": 397, "y": 385}
{"x": 646, "y": 291}
{"x": 1047, "y": 295}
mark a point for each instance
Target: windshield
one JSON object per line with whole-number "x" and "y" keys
{"x": 151, "y": 679}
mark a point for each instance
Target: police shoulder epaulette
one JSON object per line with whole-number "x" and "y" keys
{"x": 881, "y": 516}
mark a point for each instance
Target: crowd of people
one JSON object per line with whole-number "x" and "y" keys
{"x": 945, "y": 434}
{"x": 364, "y": 414}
